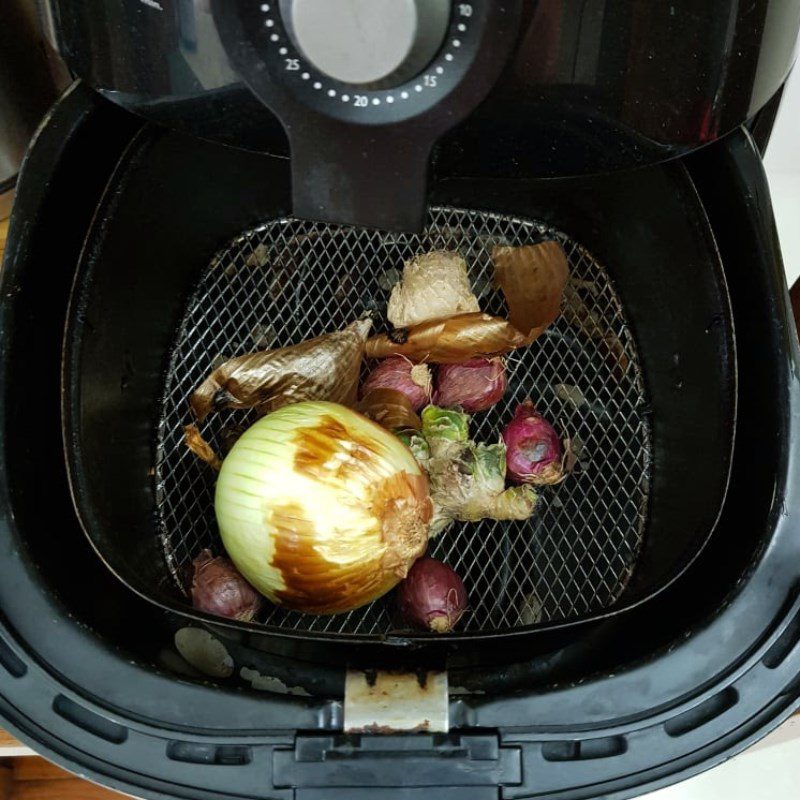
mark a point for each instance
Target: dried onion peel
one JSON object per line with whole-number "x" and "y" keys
{"x": 433, "y": 285}
{"x": 325, "y": 368}
{"x": 532, "y": 279}
{"x": 390, "y": 409}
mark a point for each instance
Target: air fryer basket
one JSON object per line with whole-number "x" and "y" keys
{"x": 290, "y": 280}
{"x": 638, "y": 372}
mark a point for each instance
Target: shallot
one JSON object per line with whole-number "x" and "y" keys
{"x": 534, "y": 453}
{"x": 432, "y": 596}
{"x": 475, "y": 385}
{"x": 218, "y": 588}
{"x": 400, "y": 374}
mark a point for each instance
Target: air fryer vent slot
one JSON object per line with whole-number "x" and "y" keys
{"x": 10, "y": 662}
{"x": 784, "y": 644}
{"x": 289, "y": 280}
{"x": 89, "y": 721}
{"x": 700, "y": 715}
{"x": 200, "y": 753}
{"x": 584, "y": 749}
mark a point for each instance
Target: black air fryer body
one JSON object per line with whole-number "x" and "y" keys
{"x": 633, "y": 130}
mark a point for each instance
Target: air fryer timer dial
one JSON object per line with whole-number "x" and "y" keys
{"x": 363, "y": 89}
{"x": 375, "y": 43}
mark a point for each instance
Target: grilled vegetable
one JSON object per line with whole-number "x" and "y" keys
{"x": 390, "y": 409}
{"x": 219, "y": 588}
{"x": 475, "y": 385}
{"x": 534, "y": 453}
{"x": 432, "y": 596}
{"x": 321, "y": 509}
{"x": 325, "y": 368}
{"x": 402, "y": 375}
{"x": 467, "y": 480}
{"x": 532, "y": 278}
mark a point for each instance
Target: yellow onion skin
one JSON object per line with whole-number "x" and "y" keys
{"x": 321, "y": 509}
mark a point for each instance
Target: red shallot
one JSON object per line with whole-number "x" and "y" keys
{"x": 218, "y": 588}
{"x": 475, "y": 385}
{"x": 400, "y": 374}
{"x": 534, "y": 453}
{"x": 432, "y": 596}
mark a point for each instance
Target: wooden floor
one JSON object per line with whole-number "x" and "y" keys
{"x": 33, "y": 778}
{"x": 25, "y": 776}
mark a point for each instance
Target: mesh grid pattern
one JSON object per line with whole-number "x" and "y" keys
{"x": 290, "y": 280}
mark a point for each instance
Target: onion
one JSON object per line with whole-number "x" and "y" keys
{"x": 321, "y": 509}
{"x": 432, "y": 597}
{"x": 534, "y": 453}
{"x": 218, "y": 588}
{"x": 400, "y": 374}
{"x": 390, "y": 409}
{"x": 475, "y": 385}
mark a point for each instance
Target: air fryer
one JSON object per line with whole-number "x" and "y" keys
{"x": 230, "y": 176}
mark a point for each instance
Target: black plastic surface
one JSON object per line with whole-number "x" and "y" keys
{"x": 728, "y": 626}
{"x": 645, "y": 226}
{"x": 383, "y": 761}
{"x": 366, "y": 161}
{"x": 591, "y": 87}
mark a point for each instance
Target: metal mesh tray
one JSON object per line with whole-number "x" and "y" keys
{"x": 289, "y": 280}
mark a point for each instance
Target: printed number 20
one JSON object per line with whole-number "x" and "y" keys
{"x": 465, "y": 9}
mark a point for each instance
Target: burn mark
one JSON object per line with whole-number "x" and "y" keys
{"x": 330, "y": 449}
{"x": 399, "y": 504}
{"x": 398, "y": 336}
{"x": 382, "y": 730}
{"x": 312, "y": 583}
{"x": 371, "y": 677}
{"x": 222, "y": 399}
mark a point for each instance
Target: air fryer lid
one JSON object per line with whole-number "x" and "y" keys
{"x": 646, "y": 229}
{"x": 573, "y": 88}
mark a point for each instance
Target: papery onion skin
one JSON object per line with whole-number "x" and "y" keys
{"x": 534, "y": 453}
{"x": 390, "y": 409}
{"x": 325, "y": 368}
{"x": 474, "y": 386}
{"x": 321, "y": 509}
{"x": 432, "y": 597}
{"x": 402, "y": 375}
{"x": 219, "y": 588}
